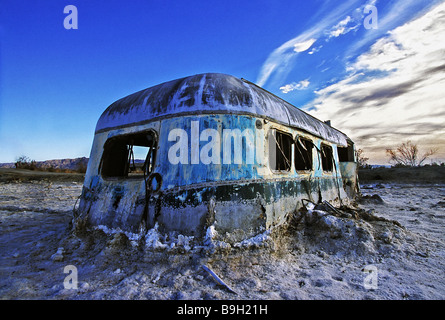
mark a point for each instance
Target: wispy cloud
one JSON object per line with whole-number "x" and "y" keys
{"x": 303, "y": 46}
{"x": 281, "y": 60}
{"x": 295, "y": 86}
{"x": 315, "y": 49}
{"x": 342, "y": 27}
{"x": 334, "y": 22}
{"x": 394, "y": 91}
{"x": 397, "y": 11}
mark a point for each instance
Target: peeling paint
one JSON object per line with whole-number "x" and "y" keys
{"x": 211, "y": 93}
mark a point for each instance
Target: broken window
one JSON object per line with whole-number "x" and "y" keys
{"x": 327, "y": 159}
{"x": 130, "y": 155}
{"x": 303, "y": 154}
{"x": 346, "y": 154}
{"x": 280, "y": 150}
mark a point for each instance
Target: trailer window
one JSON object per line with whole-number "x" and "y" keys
{"x": 280, "y": 150}
{"x": 129, "y": 155}
{"x": 346, "y": 154}
{"x": 303, "y": 154}
{"x": 327, "y": 159}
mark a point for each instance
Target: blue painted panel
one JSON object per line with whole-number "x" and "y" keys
{"x": 195, "y": 170}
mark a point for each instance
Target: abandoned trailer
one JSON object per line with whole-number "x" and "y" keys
{"x": 211, "y": 150}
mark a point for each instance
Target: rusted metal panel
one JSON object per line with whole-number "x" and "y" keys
{"x": 350, "y": 178}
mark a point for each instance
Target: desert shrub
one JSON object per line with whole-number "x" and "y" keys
{"x": 81, "y": 167}
{"x": 23, "y": 162}
{"x": 407, "y": 155}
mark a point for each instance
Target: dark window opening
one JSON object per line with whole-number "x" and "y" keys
{"x": 129, "y": 155}
{"x": 327, "y": 159}
{"x": 303, "y": 154}
{"x": 280, "y": 150}
{"x": 346, "y": 154}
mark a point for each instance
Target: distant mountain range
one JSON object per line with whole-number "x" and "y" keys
{"x": 70, "y": 164}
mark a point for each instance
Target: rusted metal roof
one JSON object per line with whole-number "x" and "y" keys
{"x": 211, "y": 93}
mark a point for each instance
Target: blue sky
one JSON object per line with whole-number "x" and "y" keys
{"x": 318, "y": 55}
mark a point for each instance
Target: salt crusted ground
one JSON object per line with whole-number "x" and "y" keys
{"x": 320, "y": 254}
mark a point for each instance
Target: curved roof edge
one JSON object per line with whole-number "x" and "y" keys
{"x": 211, "y": 93}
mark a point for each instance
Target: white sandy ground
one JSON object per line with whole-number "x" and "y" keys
{"x": 319, "y": 255}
